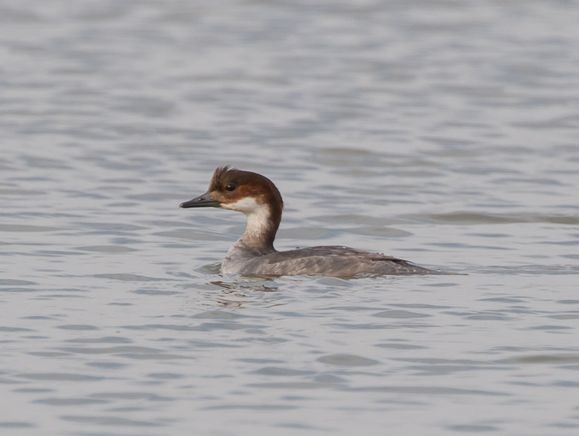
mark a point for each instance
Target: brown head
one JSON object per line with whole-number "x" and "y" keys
{"x": 251, "y": 193}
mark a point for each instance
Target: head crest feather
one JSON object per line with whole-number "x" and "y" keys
{"x": 217, "y": 174}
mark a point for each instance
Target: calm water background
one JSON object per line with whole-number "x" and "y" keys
{"x": 444, "y": 132}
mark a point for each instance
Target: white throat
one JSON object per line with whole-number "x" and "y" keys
{"x": 258, "y": 217}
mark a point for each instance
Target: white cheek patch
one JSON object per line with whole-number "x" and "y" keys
{"x": 258, "y": 215}
{"x": 246, "y": 205}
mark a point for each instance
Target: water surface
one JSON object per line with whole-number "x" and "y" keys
{"x": 438, "y": 131}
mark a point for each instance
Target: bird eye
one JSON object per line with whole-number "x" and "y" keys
{"x": 230, "y": 187}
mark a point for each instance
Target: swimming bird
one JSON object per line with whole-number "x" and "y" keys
{"x": 254, "y": 254}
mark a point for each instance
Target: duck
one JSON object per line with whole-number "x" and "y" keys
{"x": 254, "y": 253}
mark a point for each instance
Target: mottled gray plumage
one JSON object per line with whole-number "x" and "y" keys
{"x": 332, "y": 260}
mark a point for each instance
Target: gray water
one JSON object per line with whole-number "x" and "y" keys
{"x": 443, "y": 132}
